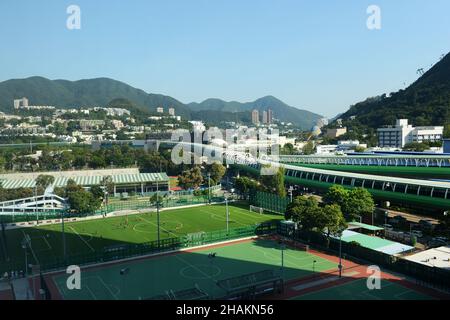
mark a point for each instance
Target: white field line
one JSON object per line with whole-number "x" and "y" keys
{"x": 75, "y": 231}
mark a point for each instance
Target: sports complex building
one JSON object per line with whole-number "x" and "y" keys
{"x": 128, "y": 180}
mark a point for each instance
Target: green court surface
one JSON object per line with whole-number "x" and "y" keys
{"x": 92, "y": 236}
{"x": 184, "y": 270}
{"x": 357, "y": 290}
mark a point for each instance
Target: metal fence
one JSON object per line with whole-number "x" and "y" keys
{"x": 134, "y": 204}
{"x": 436, "y": 277}
{"x": 123, "y": 251}
{"x": 268, "y": 201}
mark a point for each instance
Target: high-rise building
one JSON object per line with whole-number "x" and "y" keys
{"x": 269, "y": 116}
{"x": 20, "y": 103}
{"x": 172, "y": 111}
{"x": 255, "y": 117}
{"x": 160, "y": 110}
{"x": 264, "y": 117}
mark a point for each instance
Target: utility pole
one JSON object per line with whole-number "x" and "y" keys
{"x": 228, "y": 213}
{"x": 209, "y": 187}
{"x": 340, "y": 255}
{"x": 157, "y": 212}
{"x": 63, "y": 237}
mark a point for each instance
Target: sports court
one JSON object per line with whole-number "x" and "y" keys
{"x": 91, "y": 236}
{"x": 156, "y": 275}
{"x": 357, "y": 290}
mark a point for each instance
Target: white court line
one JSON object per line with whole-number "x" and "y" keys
{"x": 31, "y": 247}
{"x": 90, "y": 292}
{"x": 193, "y": 266}
{"x": 93, "y": 250}
{"x": 160, "y": 227}
{"x": 106, "y": 286}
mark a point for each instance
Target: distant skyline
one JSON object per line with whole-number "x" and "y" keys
{"x": 313, "y": 55}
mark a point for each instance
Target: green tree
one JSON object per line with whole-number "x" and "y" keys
{"x": 308, "y": 148}
{"x": 358, "y": 204}
{"x": 275, "y": 183}
{"x": 304, "y": 211}
{"x": 43, "y": 181}
{"x": 245, "y": 184}
{"x": 217, "y": 171}
{"x": 97, "y": 192}
{"x": 334, "y": 220}
{"x": 190, "y": 178}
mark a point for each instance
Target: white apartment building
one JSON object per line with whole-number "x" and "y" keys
{"x": 402, "y": 133}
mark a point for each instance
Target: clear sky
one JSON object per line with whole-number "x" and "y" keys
{"x": 317, "y": 54}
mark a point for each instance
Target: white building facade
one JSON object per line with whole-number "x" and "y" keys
{"x": 402, "y": 133}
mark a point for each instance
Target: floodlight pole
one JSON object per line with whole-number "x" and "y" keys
{"x": 340, "y": 255}
{"x": 209, "y": 187}
{"x": 228, "y": 213}
{"x": 63, "y": 237}
{"x": 282, "y": 260}
{"x": 157, "y": 212}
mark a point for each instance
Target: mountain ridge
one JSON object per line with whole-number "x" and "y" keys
{"x": 100, "y": 91}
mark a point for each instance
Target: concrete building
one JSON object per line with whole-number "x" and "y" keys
{"x": 269, "y": 116}
{"x": 160, "y": 110}
{"x": 91, "y": 125}
{"x": 128, "y": 180}
{"x": 20, "y": 103}
{"x": 172, "y": 111}
{"x": 264, "y": 117}
{"x": 337, "y": 132}
{"x": 255, "y": 117}
{"x": 402, "y": 133}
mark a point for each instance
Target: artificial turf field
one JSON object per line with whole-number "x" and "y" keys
{"x": 94, "y": 235}
{"x": 153, "y": 276}
{"x": 357, "y": 290}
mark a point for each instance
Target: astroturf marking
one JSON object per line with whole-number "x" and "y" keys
{"x": 31, "y": 248}
{"x": 90, "y": 292}
{"x": 160, "y": 227}
{"x": 106, "y": 286}
{"x": 82, "y": 239}
{"x": 194, "y": 267}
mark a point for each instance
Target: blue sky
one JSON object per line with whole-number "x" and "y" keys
{"x": 318, "y": 55}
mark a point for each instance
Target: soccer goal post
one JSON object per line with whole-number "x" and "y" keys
{"x": 259, "y": 210}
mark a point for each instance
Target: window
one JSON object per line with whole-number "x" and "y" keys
{"x": 412, "y": 189}
{"x": 425, "y": 191}
{"x": 378, "y": 185}
{"x": 439, "y": 193}
{"x": 399, "y": 187}
{"x": 359, "y": 182}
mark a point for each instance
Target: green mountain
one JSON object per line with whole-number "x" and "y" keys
{"x": 425, "y": 102}
{"x": 92, "y": 92}
{"x": 302, "y": 118}
{"x": 103, "y": 91}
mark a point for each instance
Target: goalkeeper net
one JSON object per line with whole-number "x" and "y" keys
{"x": 256, "y": 209}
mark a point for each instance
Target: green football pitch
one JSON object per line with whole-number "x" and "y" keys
{"x": 155, "y": 276}
{"x": 94, "y": 235}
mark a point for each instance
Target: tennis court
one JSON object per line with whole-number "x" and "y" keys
{"x": 156, "y": 275}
